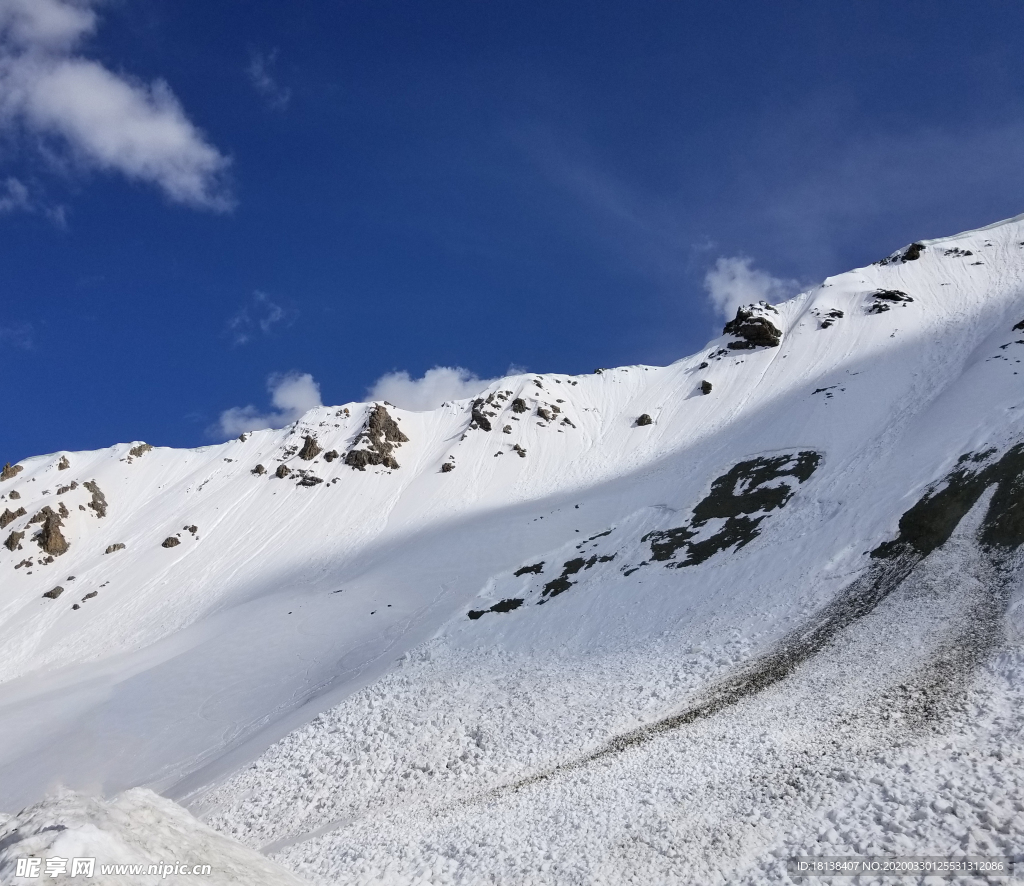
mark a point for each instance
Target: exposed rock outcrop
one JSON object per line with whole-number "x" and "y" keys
{"x": 706, "y": 387}
{"x": 99, "y": 501}
{"x": 114, "y": 547}
{"x": 331, "y": 456}
{"x": 310, "y": 449}
{"x": 282, "y": 472}
{"x": 643, "y": 420}
{"x": 10, "y": 471}
{"x": 753, "y": 328}
{"x": 63, "y": 464}
{"x": 478, "y": 418}
{"x": 51, "y": 539}
{"x": 447, "y": 467}
{"x": 140, "y": 450}
{"x": 9, "y": 516}
{"x": 14, "y": 540}
{"x": 54, "y": 593}
{"x": 519, "y": 405}
{"x": 380, "y": 436}
{"x": 258, "y": 470}
{"x": 14, "y": 494}
{"x": 170, "y": 542}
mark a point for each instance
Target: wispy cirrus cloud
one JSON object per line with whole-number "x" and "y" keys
{"x": 95, "y": 118}
{"x": 17, "y": 337}
{"x": 260, "y": 71}
{"x": 258, "y": 317}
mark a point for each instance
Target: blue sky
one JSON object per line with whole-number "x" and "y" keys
{"x": 201, "y": 199}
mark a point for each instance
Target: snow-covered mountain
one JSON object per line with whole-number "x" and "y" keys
{"x": 670, "y": 624}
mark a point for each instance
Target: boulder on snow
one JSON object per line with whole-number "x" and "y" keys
{"x": 282, "y": 472}
{"x": 170, "y": 542}
{"x": 519, "y": 405}
{"x": 14, "y": 540}
{"x": 705, "y": 387}
{"x": 644, "y": 420}
{"x": 119, "y": 546}
{"x": 331, "y": 456}
{"x": 54, "y": 593}
{"x": 258, "y": 470}
{"x": 447, "y": 467}
{"x": 63, "y": 464}
{"x": 15, "y": 494}
{"x": 140, "y": 450}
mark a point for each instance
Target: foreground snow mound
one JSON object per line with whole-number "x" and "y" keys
{"x": 137, "y": 837}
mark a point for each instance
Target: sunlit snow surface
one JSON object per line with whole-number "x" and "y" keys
{"x": 554, "y": 740}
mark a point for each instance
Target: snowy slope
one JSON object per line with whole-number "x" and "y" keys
{"x": 645, "y": 579}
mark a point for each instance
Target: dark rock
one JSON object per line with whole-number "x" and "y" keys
{"x": 309, "y": 480}
{"x": 193, "y": 529}
{"x": 1019, "y": 326}
{"x": 507, "y": 429}
{"x": 14, "y": 540}
{"x": 42, "y": 516}
{"x": 63, "y": 464}
{"x": 282, "y": 472}
{"x": 504, "y": 606}
{"x": 62, "y": 490}
{"x": 90, "y": 595}
{"x": 703, "y": 365}
{"x": 879, "y": 308}
{"x": 753, "y": 330}
{"x": 310, "y": 449}
{"x": 381, "y": 435}
{"x": 544, "y": 413}
{"x": 447, "y": 467}
{"x": 535, "y": 569}
{"x": 14, "y": 494}
{"x": 9, "y": 516}
{"x": 54, "y": 594}
{"x": 170, "y": 542}
{"x": 259, "y": 470}
{"x": 644, "y": 420}
{"x": 114, "y": 547}
{"x": 519, "y": 450}
{"x": 519, "y": 405}
{"x": 51, "y": 540}
{"x": 913, "y": 252}
{"x": 330, "y": 456}
{"x": 894, "y": 295}
{"x": 478, "y": 417}
{"x": 705, "y": 387}
{"x": 10, "y": 472}
{"x": 62, "y": 510}
{"x": 742, "y": 498}
{"x": 99, "y": 500}
{"x": 140, "y": 450}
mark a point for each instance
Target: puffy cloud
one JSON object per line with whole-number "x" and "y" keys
{"x": 292, "y": 394}
{"x": 259, "y": 71}
{"x": 732, "y": 282}
{"x": 422, "y": 394}
{"x": 106, "y": 120}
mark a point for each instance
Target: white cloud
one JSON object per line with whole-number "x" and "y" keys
{"x": 438, "y": 385}
{"x": 259, "y": 69}
{"x": 732, "y": 282}
{"x": 260, "y": 314}
{"x": 292, "y": 394}
{"x": 105, "y": 120}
